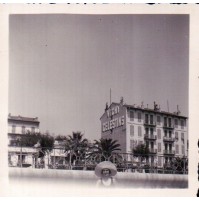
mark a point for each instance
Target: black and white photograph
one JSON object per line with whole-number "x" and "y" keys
{"x": 98, "y": 102}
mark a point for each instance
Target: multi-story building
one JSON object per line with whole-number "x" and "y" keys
{"x": 18, "y": 127}
{"x": 165, "y": 133}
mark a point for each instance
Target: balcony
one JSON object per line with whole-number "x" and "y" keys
{"x": 152, "y": 151}
{"x": 168, "y": 139}
{"x": 169, "y": 152}
{"x": 150, "y": 123}
{"x": 168, "y": 126}
{"x": 22, "y": 149}
{"x": 150, "y": 137}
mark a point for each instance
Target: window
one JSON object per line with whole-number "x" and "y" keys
{"x": 139, "y": 131}
{"x": 152, "y": 160}
{"x": 159, "y": 147}
{"x": 131, "y": 115}
{"x": 151, "y": 131}
{"x": 159, "y": 161}
{"x": 131, "y": 144}
{"x": 182, "y": 137}
{"x": 159, "y": 133}
{"x": 131, "y": 130}
{"x": 22, "y": 158}
{"x": 146, "y": 118}
{"x": 139, "y": 117}
{"x": 165, "y": 133}
{"x": 170, "y": 134}
{"x": 165, "y": 121}
{"x": 23, "y": 129}
{"x": 140, "y": 142}
{"x": 166, "y": 160}
{"x": 151, "y": 119}
{"x": 13, "y": 129}
{"x": 135, "y": 142}
{"x": 183, "y": 152}
{"x": 182, "y": 124}
{"x": 176, "y": 123}
{"x": 176, "y": 135}
{"x": 33, "y": 129}
{"x": 169, "y": 122}
{"x": 147, "y": 131}
{"x": 158, "y": 120}
{"x": 177, "y": 149}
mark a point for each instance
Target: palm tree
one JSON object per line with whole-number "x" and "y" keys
{"x": 76, "y": 146}
{"x": 105, "y": 148}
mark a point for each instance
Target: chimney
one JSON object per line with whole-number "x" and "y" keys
{"x": 106, "y": 107}
{"x": 155, "y": 106}
{"x": 178, "y": 111}
{"x": 121, "y": 100}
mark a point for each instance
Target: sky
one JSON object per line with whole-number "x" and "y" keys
{"x": 62, "y": 66}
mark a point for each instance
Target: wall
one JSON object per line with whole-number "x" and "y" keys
{"x": 118, "y": 133}
{"x": 18, "y": 128}
{"x": 88, "y": 178}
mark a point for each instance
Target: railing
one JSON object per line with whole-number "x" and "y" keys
{"x": 168, "y": 126}
{"x": 169, "y": 152}
{"x": 168, "y": 139}
{"x": 148, "y": 123}
{"x": 58, "y": 158}
{"x": 24, "y": 149}
{"x": 153, "y": 151}
{"x": 150, "y": 137}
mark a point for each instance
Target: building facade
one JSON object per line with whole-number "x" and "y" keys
{"x": 165, "y": 133}
{"x": 18, "y": 127}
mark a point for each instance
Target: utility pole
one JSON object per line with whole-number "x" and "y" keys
{"x": 21, "y": 154}
{"x": 110, "y": 96}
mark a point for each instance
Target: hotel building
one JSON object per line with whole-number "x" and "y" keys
{"x": 165, "y": 133}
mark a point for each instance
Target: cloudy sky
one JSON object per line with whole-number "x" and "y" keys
{"x": 63, "y": 66}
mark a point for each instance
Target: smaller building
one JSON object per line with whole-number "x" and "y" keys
{"x": 18, "y": 127}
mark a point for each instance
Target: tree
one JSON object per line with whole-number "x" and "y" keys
{"x": 45, "y": 142}
{"x": 141, "y": 151}
{"x": 76, "y": 147}
{"x": 60, "y": 138}
{"x": 105, "y": 148}
{"x": 29, "y": 139}
{"x": 179, "y": 165}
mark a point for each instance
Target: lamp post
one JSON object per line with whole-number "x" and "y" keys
{"x": 37, "y": 146}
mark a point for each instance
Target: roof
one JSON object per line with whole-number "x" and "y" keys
{"x": 21, "y": 118}
{"x": 155, "y": 111}
{"x": 147, "y": 109}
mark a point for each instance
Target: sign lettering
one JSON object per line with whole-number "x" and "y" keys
{"x": 113, "y": 111}
{"x": 114, "y": 123}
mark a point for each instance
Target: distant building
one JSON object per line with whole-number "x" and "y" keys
{"x": 18, "y": 127}
{"x": 165, "y": 133}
